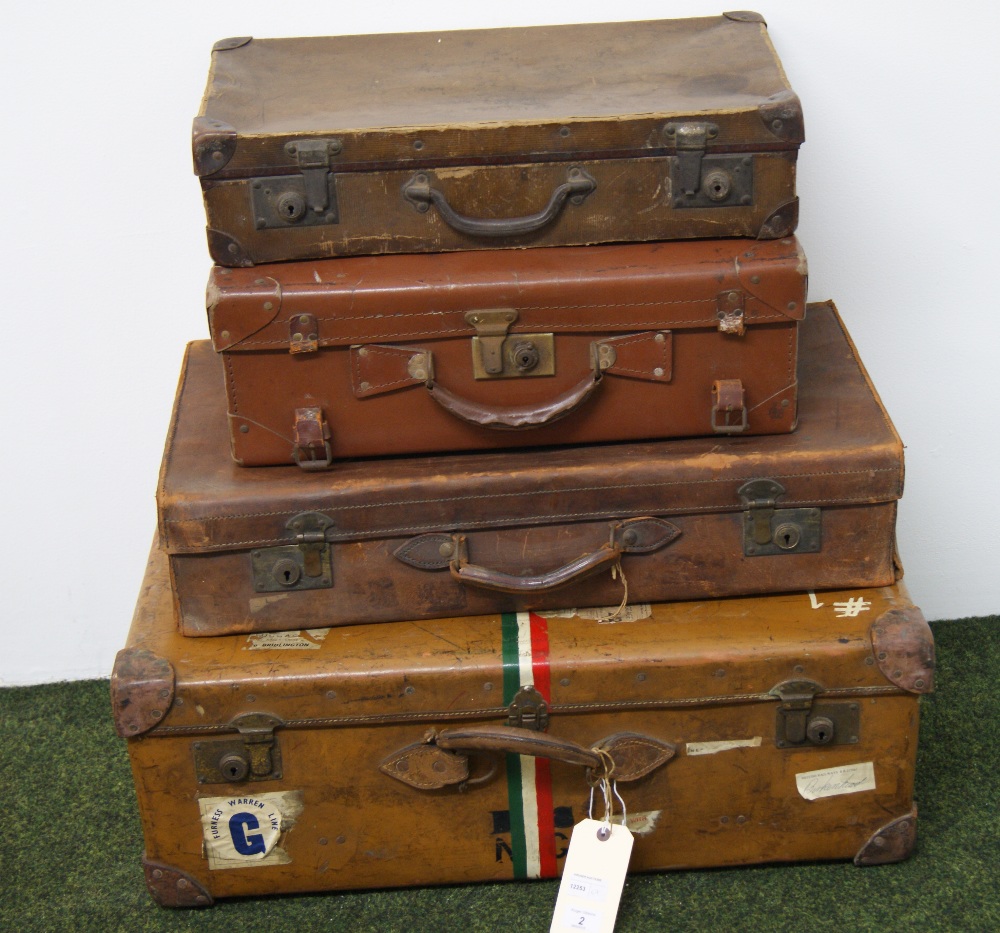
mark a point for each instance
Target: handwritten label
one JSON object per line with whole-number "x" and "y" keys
{"x": 642, "y": 823}
{"x": 284, "y": 641}
{"x": 832, "y": 782}
{"x": 713, "y": 748}
{"x": 593, "y": 878}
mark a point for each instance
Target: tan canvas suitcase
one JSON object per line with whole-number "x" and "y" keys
{"x": 768, "y": 729}
{"x": 380, "y": 355}
{"x": 543, "y": 136}
{"x": 420, "y": 537}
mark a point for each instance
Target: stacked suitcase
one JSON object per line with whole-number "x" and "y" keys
{"x": 512, "y": 439}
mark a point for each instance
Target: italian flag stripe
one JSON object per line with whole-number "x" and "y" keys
{"x": 525, "y": 646}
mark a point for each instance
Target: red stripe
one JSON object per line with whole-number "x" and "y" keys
{"x": 543, "y": 774}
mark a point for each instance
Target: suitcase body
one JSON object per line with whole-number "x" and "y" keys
{"x": 765, "y": 729}
{"x": 373, "y": 356}
{"x": 543, "y": 136}
{"x": 421, "y": 537}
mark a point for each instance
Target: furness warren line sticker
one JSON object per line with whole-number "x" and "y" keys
{"x": 244, "y": 831}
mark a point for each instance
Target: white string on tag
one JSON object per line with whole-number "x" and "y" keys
{"x": 616, "y": 616}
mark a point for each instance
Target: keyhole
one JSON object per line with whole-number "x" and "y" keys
{"x": 787, "y": 536}
{"x": 820, "y": 730}
{"x": 287, "y": 572}
{"x": 234, "y": 767}
{"x": 291, "y": 206}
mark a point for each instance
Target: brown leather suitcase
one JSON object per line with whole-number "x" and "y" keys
{"x": 379, "y": 355}
{"x": 766, "y": 729}
{"x": 422, "y": 537}
{"x": 543, "y": 136}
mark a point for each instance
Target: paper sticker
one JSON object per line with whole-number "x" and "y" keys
{"x": 832, "y": 782}
{"x": 642, "y": 824}
{"x": 593, "y": 878}
{"x": 283, "y": 641}
{"x": 245, "y": 831}
{"x": 631, "y": 613}
{"x": 712, "y": 748}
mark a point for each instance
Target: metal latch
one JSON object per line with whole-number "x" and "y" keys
{"x": 253, "y": 755}
{"x": 311, "y": 448}
{"x": 528, "y": 710}
{"x": 305, "y": 565}
{"x": 495, "y": 355}
{"x": 303, "y": 200}
{"x": 769, "y": 530}
{"x": 802, "y": 720}
{"x": 699, "y": 180}
{"x": 729, "y": 407}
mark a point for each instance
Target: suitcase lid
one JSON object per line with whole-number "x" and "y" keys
{"x": 539, "y": 94}
{"x": 601, "y": 289}
{"x": 845, "y": 451}
{"x": 766, "y": 649}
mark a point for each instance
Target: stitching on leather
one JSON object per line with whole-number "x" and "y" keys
{"x": 393, "y": 354}
{"x": 640, "y": 338}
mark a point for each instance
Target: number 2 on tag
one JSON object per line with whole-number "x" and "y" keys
{"x": 593, "y": 878}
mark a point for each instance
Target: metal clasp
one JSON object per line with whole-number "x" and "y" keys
{"x": 768, "y": 530}
{"x": 699, "y": 180}
{"x": 305, "y": 565}
{"x": 253, "y": 755}
{"x": 528, "y": 710}
{"x": 802, "y": 720}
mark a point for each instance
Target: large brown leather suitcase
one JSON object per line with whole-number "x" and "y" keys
{"x": 421, "y": 537}
{"x": 545, "y": 136}
{"x": 767, "y": 729}
{"x": 377, "y": 355}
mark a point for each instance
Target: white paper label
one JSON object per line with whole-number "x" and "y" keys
{"x": 713, "y": 748}
{"x": 593, "y": 878}
{"x": 244, "y": 830}
{"x": 284, "y": 641}
{"x": 832, "y": 782}
{"x": 632, "y": 613}
{"x": 642, "y": 823}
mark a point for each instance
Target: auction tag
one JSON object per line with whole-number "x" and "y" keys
{"x": 593, "y": 877}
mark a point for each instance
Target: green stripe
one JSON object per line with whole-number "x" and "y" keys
{"x": 511, "y": 684}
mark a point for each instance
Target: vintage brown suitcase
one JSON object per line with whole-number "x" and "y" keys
{"x": 767, "y": 729}
{"x": 377, "y": 355}
{"x": 544, "y": 136}
{"x": 421, "y": 537}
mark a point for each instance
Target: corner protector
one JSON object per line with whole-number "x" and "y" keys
{"x": 213, "y": 144}
{"x": 745, "y": 16}
{"x": 236, "y": 42}
{"x": 781, "y": 222}
{"x": 891, "y": 843}
{"x": 171, "y": 887}
{"x": 904, "y": 649}
{"x": 142, "y": 691}
{"x": 781, "y": 113}
{"x": 226, "y": 250}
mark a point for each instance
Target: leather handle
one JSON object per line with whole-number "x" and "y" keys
{"x": 629, "y": 536}
{"x": 442, "y": 759}
{"x": 515, "y": 418}
{"x": 419, "y": 192}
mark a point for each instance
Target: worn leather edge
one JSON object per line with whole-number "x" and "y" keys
{"x": 171, "y": 887}
{"x": 226, "y": 250}
{"x": 213, "y": 144}
{"x": 781, "y": 113}
{"x": 892, "y": 842}
{"x": 142, "y": 691}
{"x": 235, "y": 42}
{"x": 636, "y": 755}
{"x": 904, "y": 649}
{"x": 781, "y": 222}
{"x": 745, "y": 16}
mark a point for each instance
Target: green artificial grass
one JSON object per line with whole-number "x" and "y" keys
{"x": 70, "y": 855}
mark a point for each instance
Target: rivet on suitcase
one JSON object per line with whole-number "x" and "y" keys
{"x": 542, "y": 136}
{"x": 420, "y": 537}
{"x": 767, "y": 729}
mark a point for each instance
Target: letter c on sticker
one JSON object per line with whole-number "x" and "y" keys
{"x": 253, "y": 844}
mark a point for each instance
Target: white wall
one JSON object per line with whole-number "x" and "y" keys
{"x": 104, "y": 263}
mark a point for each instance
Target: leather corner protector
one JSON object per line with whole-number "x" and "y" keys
{"x": 781, "y": 113}
{"x": 904, "y": 649}
{"x": 171, "y": 887}
{"x": 782, "y": 221}
{"x": 226, "y": 250}
{"x": 426, "y": 767}
{"x": 213, "y": 144}
{"x": 635, "y": 755}
{"x": 891, "y": 843}
{"x": 142, "y": 691}
{"x": 642, "y": 535}
{"x": 237, "y": 312}
{"x": 745, "y": 16}
{"x": 427, "y": 552}
{"x": 236, "y": 42}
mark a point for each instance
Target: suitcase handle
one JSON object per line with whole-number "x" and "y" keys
{"x": 515, "y": 418}
{"x": 437, "y": 551}
{"x": 421, "y": 195}
{"x": 441, "y": 758}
